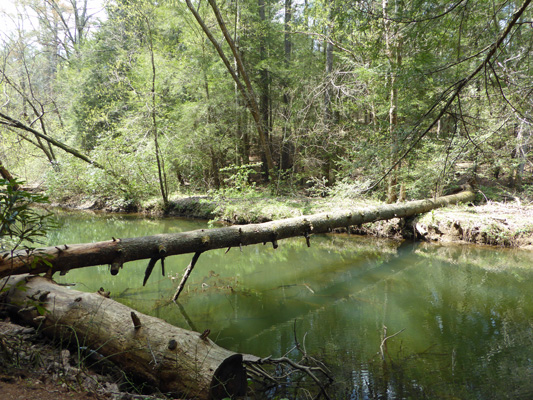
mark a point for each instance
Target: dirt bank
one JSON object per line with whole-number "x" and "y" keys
{"x": 496, "y": 224}
{"x": 32, "y": 367}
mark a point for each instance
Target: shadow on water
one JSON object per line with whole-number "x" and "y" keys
{"x": 458, "y": 319}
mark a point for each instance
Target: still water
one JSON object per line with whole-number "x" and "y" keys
{"x": 463, "y": 314}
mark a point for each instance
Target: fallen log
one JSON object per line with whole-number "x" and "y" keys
{"x": 116, "y": 252}
{"x": 172, "y": 359}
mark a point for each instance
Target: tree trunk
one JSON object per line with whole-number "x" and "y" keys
{"x": 5, "y": 174}
{"x": 329, "y": 120}
{"x": 11, "y": 122}
{"x": 119, "y": 251}
{"x": 172, "y": 359}
{"x": 264, "y": 84}
{"x": 247, "y": 93}
{"x": 393, "y": 51}
{"x": 287, "y": 145}
{"x": 160, "y": 160}
{"x": 520, "y": 154}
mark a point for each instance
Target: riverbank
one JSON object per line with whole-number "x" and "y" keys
{"x": 505, "y": 224}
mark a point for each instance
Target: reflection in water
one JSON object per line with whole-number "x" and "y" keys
{"x": 465, "y": 312}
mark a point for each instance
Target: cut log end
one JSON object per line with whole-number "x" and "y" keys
{"x": 185, "y": 363}
{"x": 229, "y": 379}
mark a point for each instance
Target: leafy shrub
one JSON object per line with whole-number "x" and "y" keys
{"x": 21, "y": 225}
{"x": 238, "y": 184}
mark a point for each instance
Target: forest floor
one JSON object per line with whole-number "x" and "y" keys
{"x": 32, "y": 367}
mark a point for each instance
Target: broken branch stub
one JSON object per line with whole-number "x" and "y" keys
{"x": 186, "y": 275}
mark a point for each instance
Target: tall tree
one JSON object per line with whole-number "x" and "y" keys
{"x": 64, "y": 24}
{"x": 329, "y": 119}
{"x": 163, "y": 184}
{"x": 247, "y": 92}
{"x": 264, "y": 76}
{"x": 393, "y": 49}
{"x": 287, "y": 147}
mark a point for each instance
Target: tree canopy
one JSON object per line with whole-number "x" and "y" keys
{"x": 402, "y": 97}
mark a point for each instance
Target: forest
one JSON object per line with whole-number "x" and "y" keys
{"x": 136, "y": 99}
{"x": 299, "y": 118}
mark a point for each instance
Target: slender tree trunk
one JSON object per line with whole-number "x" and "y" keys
{"x": 255, "y": 109}
{"x": 329, "y": 120}
{"x": 393, "y": 50}
{"x": 328, "y": 114}
{"x": 247, "y": 93}
{"x": 215, "y": 161}
{"x": 163, "y": 186}
{"x": 264, "y": 84}
{"x": 287, "y": 146}
{"x": 215, "y": 166}
{"x": 11, "y": 122}
{"x": 520, "y": 155}
{"x": 81, "y": 20}
{"x": 242, "y": 132}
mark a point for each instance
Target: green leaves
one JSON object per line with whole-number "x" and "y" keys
{"x": 19, "y": 223}
{"x": 148, "y": 73}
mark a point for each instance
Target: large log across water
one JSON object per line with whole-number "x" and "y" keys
{"x": 116, "y": 252}
{"x": 172, "y": 359}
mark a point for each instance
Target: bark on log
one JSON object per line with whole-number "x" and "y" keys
{"x": 173, "y": 359}
{"x": 116, "y": 252}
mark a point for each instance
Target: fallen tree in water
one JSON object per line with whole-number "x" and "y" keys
{"x": 173, "y": 359}
{"x": 116, "y": 252}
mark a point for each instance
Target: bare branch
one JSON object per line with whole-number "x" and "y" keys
{"x": 459, "y": 87}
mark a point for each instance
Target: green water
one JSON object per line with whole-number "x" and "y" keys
{"x": 466, "y": 312}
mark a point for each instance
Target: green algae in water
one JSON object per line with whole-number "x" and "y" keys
{"x": 464, "y": 313}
